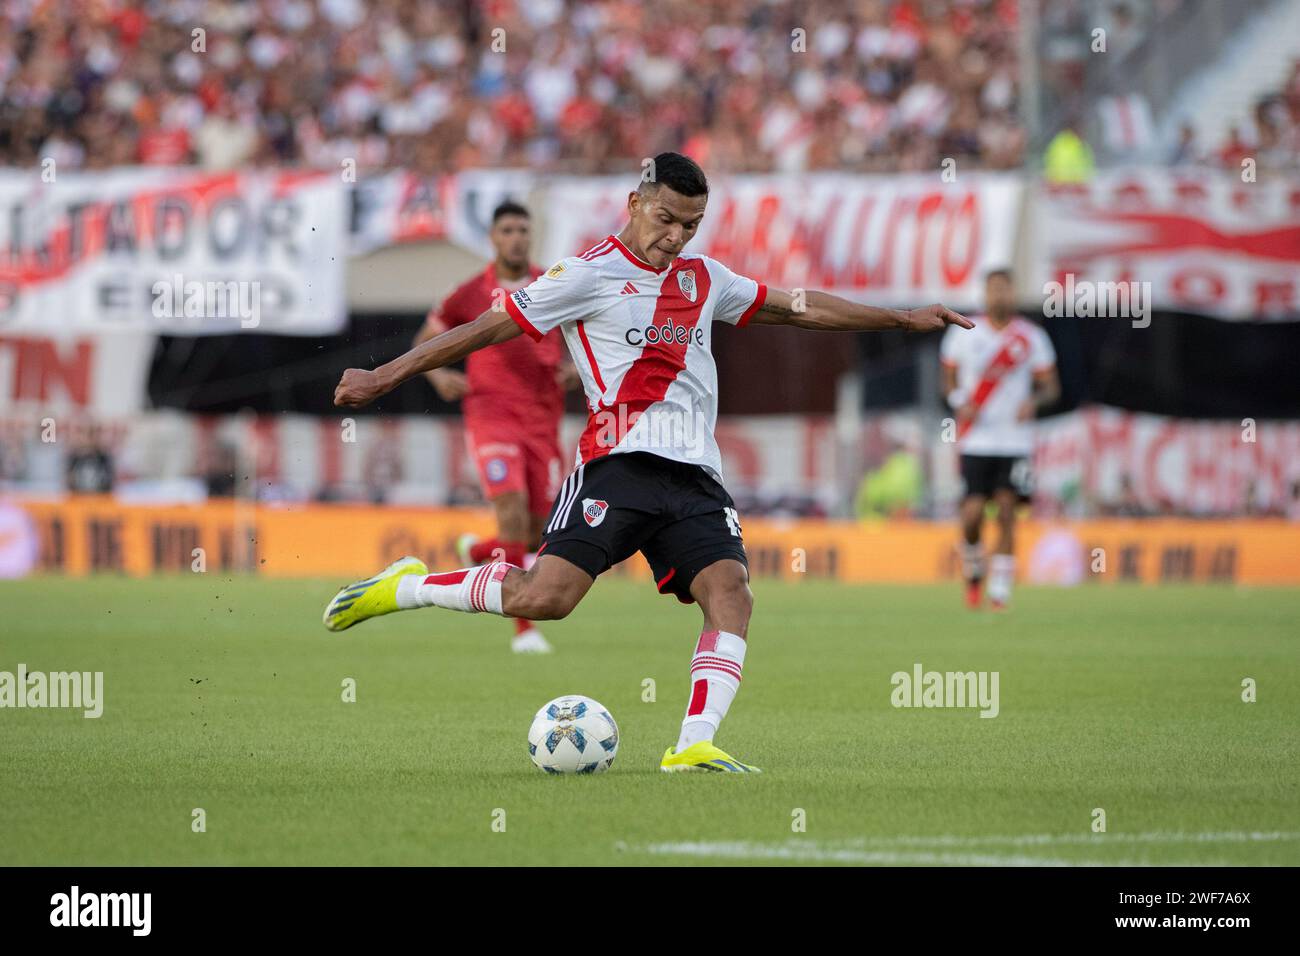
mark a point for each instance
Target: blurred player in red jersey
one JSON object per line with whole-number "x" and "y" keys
{"x": 512, "y": 395}
{"x": 996, "y": 378}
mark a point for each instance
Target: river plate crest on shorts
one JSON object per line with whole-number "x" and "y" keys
{"x": 594, "y": 511}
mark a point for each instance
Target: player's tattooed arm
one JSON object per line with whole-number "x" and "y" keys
{"x": 830, "y": 313}
{"x": 360, "y": 386}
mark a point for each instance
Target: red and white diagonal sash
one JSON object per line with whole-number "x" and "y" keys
{"x": 1014, "y": 351}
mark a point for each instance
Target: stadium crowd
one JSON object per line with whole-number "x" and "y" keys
{"x": 1271, "y": 135}
{"x": 443, "y": 85}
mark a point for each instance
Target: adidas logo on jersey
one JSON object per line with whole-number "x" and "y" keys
{"x": 629, "y": 289}
{"x": 668, "y": 334}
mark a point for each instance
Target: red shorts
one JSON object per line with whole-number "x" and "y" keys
{"x": 509, "y": 459}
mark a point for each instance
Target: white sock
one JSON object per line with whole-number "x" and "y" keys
{"x": 1002, "y": 573}
{"x": 469, "y": 589}
{"x": 972, "y": 561}
{"x": 715, "y": 678}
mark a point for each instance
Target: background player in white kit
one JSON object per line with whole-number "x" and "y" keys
{"x": 637, "y": 315}
{"x": 996, "y": 378}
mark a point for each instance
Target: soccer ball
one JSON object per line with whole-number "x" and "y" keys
{"x": 573, "y": 734}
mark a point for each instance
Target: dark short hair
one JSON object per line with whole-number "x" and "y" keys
{"x": 679, "y": 173}
{"x": 1002, "y": 272}
{"x": 510, "y": 208}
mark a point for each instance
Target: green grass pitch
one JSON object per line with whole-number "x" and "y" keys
{"x": 226, "y": 695}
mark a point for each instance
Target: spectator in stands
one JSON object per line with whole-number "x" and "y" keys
{"x": 1293, "y": 505}
{"x": 13, "y": 461}
{"x": 894, "y": 489}
{"x": 1123, "y": 33}
{"x": 1274, "y": 144}
{"x": 1126, "y": 504}
{"x": 1235, "y": 149}
{"x": 89, "y": 467}
{"x": 1186, "y": 152}
{"x": 383, "y": 470}
{"x": 1068, "y": 159}
{"x": 224, "y": 140}
{"x": 220, "y": 472}
{"x": 1254, "y": 504}
{"x": 1272, "y": 135}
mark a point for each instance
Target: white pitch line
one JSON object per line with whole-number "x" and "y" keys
{"x": 812, "y": 854}
{"x": 1093, "y": 839}
{"x": 910, "y": 850}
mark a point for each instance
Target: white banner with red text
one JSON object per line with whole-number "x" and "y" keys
{"x": 398, "y": 207}
{"x": 96, "y": 375}
{"x": 172, "y": 251}
{"x": 1105, "y": 460}
{"x": 186, "y": 252}
{"x": 1200, "y": 241}
{"x": 902, "y": 240}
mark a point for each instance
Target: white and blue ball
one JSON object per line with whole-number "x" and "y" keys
{"x": 573, "y": 734}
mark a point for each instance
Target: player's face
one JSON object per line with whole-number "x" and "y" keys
{"x": 511, "y": 237}
{"x": 664, "y": 221}
{"x": 999, "y": 296}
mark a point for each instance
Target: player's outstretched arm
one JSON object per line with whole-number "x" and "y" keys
{"x": 830, "y": 313}
{"x": 450, "y": 384}
{"x": 360, "y": 386}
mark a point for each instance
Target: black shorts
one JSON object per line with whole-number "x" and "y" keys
{"x": 985, "y": 475}
{"x": 675, "y": 514}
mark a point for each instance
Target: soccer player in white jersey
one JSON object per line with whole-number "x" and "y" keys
{"x": 637, "y": 314}
{"x": 996, "y": 378}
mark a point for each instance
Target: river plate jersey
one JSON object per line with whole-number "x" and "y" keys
{"x": 641, "y": 339}
{"x": 996, "y": 368}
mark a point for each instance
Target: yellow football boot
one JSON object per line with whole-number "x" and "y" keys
{"x": 372, "y": 597}
{"x": 703, "y": 756}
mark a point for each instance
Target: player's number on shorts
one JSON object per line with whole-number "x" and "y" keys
{"x": 1022, "y": 477}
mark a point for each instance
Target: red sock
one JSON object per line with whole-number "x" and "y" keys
{"x": 494, "y": 549}
{"x": 522, "y": 625}
{"x": 481, "y": 551}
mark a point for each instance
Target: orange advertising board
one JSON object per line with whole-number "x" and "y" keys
{"x": 88, "y": 535}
